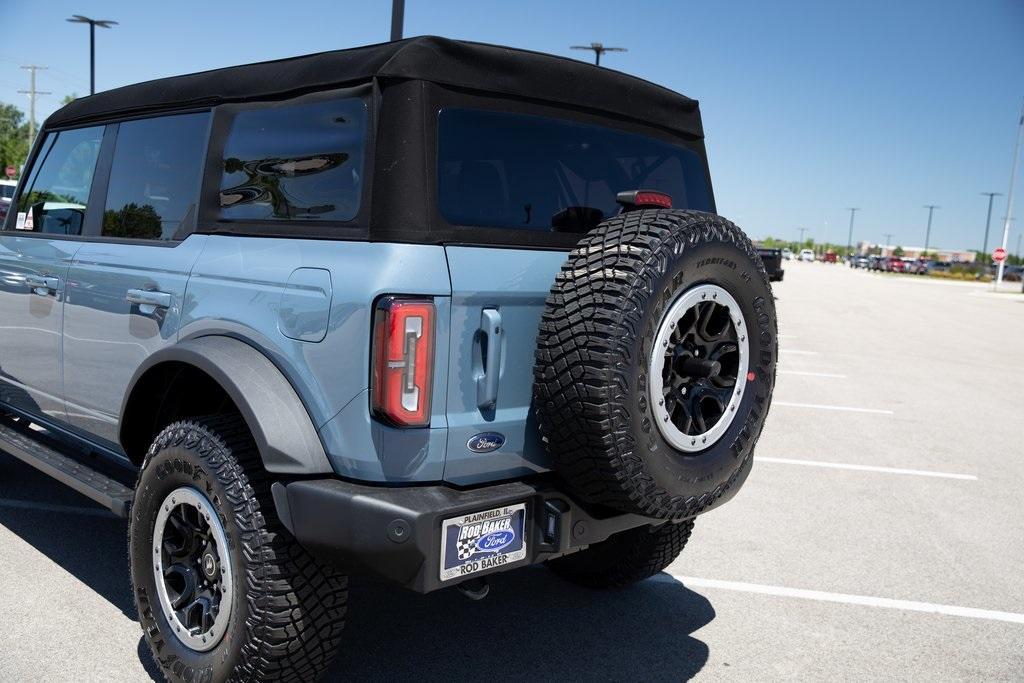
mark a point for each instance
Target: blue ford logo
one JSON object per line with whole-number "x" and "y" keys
{"x": 486, "y": 442}
{"x": 496, "y": 540}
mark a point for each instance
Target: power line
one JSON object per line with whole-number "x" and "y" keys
{"x": 32, "y": 95}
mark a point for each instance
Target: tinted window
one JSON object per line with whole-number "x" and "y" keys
{"x": 516, "y": 171}
{"x": 295, "y": 162}
{"x": 154, "y": 179}
{"x": 59, "y": 189}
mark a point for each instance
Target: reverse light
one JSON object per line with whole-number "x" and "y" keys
{"x": 403, "y": 361}
{"x": 642, "y": 199}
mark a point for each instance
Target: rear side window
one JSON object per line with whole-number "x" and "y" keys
{"x": 58, "y": 191}
{"x": 506, "y": 170}
{"x": 295, "y": 162}
{"x": 155, "y": 176}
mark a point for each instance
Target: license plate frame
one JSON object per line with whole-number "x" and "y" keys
{"x": 485, "y": 539}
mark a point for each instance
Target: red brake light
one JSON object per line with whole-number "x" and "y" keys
{"x": 639, "y": 199}
{"x": 403, "y": 361}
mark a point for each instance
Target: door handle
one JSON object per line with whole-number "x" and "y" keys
{"x": 149, "y": 297}
{"x": 491, "y": 340}
{"x": 42, "y": 286}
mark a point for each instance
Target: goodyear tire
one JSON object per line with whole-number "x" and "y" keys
{"x": 626, "y": 557}
{"x": 223, "y": 592}
{"x": 655, "y": 363}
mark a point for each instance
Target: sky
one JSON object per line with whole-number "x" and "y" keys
{"x": 809, "y": 107}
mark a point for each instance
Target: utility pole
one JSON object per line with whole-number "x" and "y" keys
{"x": 988, "y": 217}
{"x": 1009, "y": 195}
{"x": 93, "y": 23}
{"x": 849, "y": 237}
{"x": 397, "y": 19}
{"x": 598, "y": 49}
{"x": 888, "y": 242}
{"x": 928, "y": 232}
{"x": 802, "y": 231}
{"x": 32, "y": 95}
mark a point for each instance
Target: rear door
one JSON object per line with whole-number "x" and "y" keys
{"x": 526, "y": 177}
{"x": 126, "y": 285}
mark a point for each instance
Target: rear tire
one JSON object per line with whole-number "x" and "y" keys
{"x": 626, "y": 557}
{"x": 276, "y": 613}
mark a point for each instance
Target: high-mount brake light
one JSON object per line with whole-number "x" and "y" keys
{"x": 403, "y": 361}
{"x": 643, "y": 199}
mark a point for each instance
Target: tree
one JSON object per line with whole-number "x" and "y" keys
{"x": 13, "y": 136}
{"x": 68, "y": 99}
{"x": 898, "y": 252}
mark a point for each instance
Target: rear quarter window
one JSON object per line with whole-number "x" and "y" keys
{"x": 505, "y": 170}
{"x": 296, "y": 162}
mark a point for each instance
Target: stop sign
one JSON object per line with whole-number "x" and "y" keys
{"x": 998, "y": 254}
{"x": 11, "y": 171}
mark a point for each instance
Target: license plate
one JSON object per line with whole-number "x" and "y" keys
{"x": 482, "y": 540}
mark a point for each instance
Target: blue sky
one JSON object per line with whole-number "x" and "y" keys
{"x": 809, "y": 107}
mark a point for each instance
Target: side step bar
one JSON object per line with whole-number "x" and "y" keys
{"x": 19, "y": 442}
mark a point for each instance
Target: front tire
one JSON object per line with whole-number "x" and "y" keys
{"x": 626, "y": 557}
{"x": 224, "y": 593}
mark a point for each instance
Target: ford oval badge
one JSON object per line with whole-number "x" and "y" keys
{"x": 486, "y": 442}
{"x": 496, "y": 540}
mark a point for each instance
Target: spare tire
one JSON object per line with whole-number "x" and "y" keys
{"x": 655, "y": 363}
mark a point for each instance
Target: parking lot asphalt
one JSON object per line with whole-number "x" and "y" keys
{"x": 880, "y": 535}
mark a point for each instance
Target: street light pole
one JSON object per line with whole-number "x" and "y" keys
{"x": 888, "y": 242}
{"x": 802, "y": 231}
{"x": 1009, "y": 195}
{"x": 988, "y": 217}
{"x": 598, "y": 49}
{"x": 849, "y": 237}
{"x": 93, "y": 23}
{"x": 928, "y": 232}
{"x": 397, "y": 19}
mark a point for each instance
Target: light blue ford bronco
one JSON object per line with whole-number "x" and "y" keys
{"x": 420, "y": 311}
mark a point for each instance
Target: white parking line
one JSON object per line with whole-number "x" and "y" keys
{"x": 845, "y": 598}
{"x": 50, "y": 507}
{"x": 866, "y": 468}
{"x": 798, "y": 352}
{"x": 817, "y": 406}
{"x": 811, "y": 374}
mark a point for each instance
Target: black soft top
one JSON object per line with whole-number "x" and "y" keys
{"x": 474, "y": 66}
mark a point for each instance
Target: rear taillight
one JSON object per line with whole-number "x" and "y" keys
{"x": 403, "y": 361}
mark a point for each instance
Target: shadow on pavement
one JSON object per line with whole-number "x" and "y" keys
{"x": 532, "y": 625}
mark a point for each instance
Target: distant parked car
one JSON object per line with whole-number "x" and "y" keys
{"x": 787, "y": 254}
{"x": 896, "y": 265}
{"x": 7, "y": 188}
{"x": 1013, "y": 273}
{"x": 772, "y": 259}
{"x": 806, "y": 255}
{"x": 860, "y": 262}
{"x": 830, "y": 257}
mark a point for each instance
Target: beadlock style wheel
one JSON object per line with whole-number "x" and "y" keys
{"x": 698, "y": 367}
{"x": 192, "y": 571}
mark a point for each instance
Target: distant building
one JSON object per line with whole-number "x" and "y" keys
{"x": 936, "y": 253}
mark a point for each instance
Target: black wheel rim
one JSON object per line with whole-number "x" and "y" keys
{"x": 192, "y": 568}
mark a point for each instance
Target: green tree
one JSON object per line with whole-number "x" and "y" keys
{"x": 13, "y": 136}
{"x": 68, "y": 99}
{"x": 898, "y": 252}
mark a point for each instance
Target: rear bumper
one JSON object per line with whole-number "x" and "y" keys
{"x": 394, "y": 534}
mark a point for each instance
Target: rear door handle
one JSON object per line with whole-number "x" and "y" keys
{"x": 148, "y": 297}
{"x": 491, "y": 339}
{"x": 43, "y": 286}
